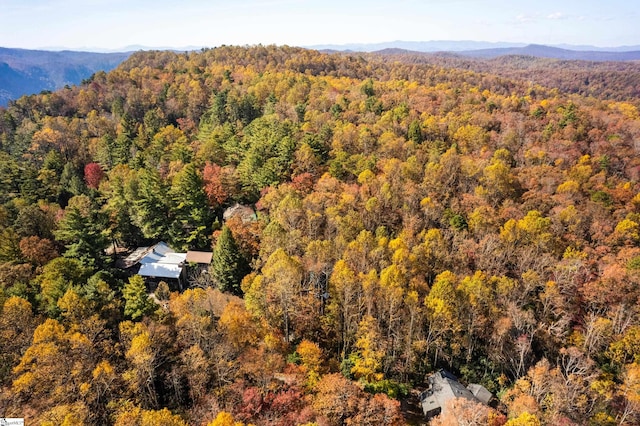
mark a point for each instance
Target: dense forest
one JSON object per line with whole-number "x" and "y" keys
{"x": 410, "y": 217}
{"x": 614, "y": 80}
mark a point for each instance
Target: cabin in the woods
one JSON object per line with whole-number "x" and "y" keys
{"x": 443, "y": 387}
{"x": 143, "y": 255}
{"x": 160, "y": 262}
{"x": 157, "y": 263}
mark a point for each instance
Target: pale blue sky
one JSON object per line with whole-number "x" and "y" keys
{"x": 117, "y": 23}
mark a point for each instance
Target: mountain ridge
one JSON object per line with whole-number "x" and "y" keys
{"x": 531, "y": 50}
{"x": 24, "y": 71}
{"x": 543, "y": 51}
{"x": 460, "y": 46}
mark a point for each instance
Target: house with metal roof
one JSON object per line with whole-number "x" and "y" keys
{"x": 443, "y": 387}
{"x": 158, "y": 262}
{"x": 144, "y": 255}
{"x": 161, "y": 262}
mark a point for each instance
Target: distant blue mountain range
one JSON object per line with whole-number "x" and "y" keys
{"x": 459, "y": 46}
{"x": 532, "y": 50}
{"x": 24, "y": 72}
{"x": 540, "y": 51}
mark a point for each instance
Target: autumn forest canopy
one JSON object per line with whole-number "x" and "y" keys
{"x": 408, "y": 216}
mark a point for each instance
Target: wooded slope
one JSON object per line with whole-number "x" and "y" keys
{"x": 24, "y": 72}
{"x": 410, "y": 217}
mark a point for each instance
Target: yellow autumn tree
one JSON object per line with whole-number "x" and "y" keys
{"x": 311, "y": 358}
{"x": 224, "y": 419}
{"x": 367, "y": 359}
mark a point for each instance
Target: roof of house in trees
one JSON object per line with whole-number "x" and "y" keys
{"x": 199, "y": 256}
{"x": 143, "y": 255}
{"x": 443, "y": 387}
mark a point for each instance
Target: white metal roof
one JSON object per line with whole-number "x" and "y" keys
{"x": 172, "y": 258}
{"x": 162, "y": 248}
{"x": 160, "y": 270}
{"x": 150, "y": 258}
{"x": 145, "y": 255}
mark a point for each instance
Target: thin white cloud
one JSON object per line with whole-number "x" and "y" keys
{"x": 524, "y": 18}
{"x": 528, "y": 18}
{"x": 557, "y": 16}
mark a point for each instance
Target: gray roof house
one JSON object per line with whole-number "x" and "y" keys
{"x": 443, "y": 387}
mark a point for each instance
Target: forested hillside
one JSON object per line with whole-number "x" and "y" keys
{"x": 603, "y": 80}
{"x": 410, "y": 217}
{"x": 24, "y": 72}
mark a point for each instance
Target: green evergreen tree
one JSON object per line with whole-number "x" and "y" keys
{"x": 9, "y": 173}
{"x": 121, "y": 194}
{"x": 268, "y": 147}
{"x": 151, "y": 210}
{"x": 120, "y": 148}
{"x": 70, "y": 182}
{"x": 49, "y": 184}
{"x": 192, "y": 218}
{"x": 137, "y": 302}
{"x": 217, "y": 114}
{"x": 415, "y": 132}
{"x": 82, "y": 231}
{"x": 228, "y": 266}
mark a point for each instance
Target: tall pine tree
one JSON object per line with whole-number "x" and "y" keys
{"x": 151, "y": 207}
{"x": 137, "y": 303}
{"x": 228, "y": 266}
{"x": 191, "y": 216}
{"x": 82, "y": 231}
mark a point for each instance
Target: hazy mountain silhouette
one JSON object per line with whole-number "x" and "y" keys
{"x": 540, "y": 51}
{"x": 498, "y": 48}
{"x": 24, "y": 72}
